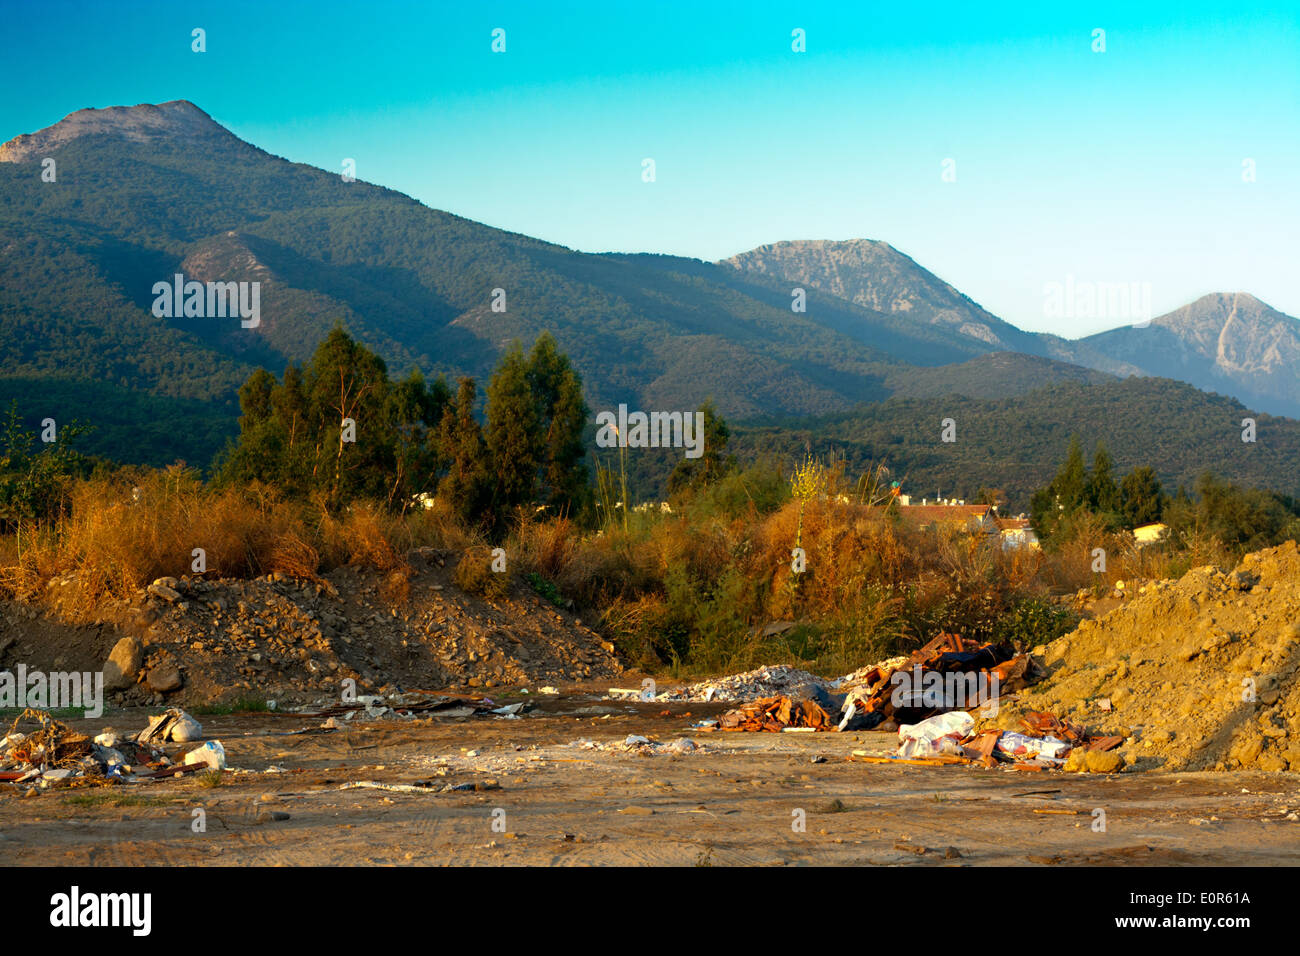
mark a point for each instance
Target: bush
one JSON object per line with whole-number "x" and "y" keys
{"x": 474, "y": 574}
{"x": 1033, "y": 621}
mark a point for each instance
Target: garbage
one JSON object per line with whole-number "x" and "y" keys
{"x": 949, "y": 673}
{"x": 174, "y": 725}
{"x": 765, "y": 682}
{"x": 1044, "y": 742}
{"x": 776, "y": 714}
{"x": 935, "y": 735}
{"x": 416, "y": 704}
{"x": 211, "y": 753}
{"x": 55, "y": 754}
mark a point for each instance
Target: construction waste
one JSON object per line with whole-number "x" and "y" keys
{"x": 51, "y": 752}
{"x": 770, "y": 681}
{"x": 948, "y": 673}
{"x": 414, "y": 704}
{"x": 1196, "y": 674}
{"x": 932, "y": 700}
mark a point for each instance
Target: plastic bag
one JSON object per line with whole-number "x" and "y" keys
{"x": 935, "y": 735}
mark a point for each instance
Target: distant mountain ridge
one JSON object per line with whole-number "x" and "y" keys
{"x": 145, "y": 192}
{"x": 875, "y": 275}
{"x": 1231, "y": 343}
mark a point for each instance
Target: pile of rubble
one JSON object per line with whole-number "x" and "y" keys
{"x": 751, "y": 685}
{"x": 51, "y": 752}
{"x": 1197, "y": 674}
{"x": 777, "y": 714}
{"x": 199, "y": 640}
{"x": 947, "y": 673}
{"x": 1043, "y": 741}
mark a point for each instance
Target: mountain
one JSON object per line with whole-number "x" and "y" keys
{"x": 144, "y": 192}
{"x": 1230, "y": 343}
{"x": 1225, "y": 342}
{"x": 993, "y": 375}
{"x": 877, "y": 276}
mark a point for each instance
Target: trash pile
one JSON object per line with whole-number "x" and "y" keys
{"x": 415, "y": 704}
{"x": 1197, "y": 674}
{"x": 948, "y": 673}
{"x": 777, "y": 714}
{"x": 53, "y": 752}
{"x": 1043, "y": 742}
{"x": 769, "y": 681}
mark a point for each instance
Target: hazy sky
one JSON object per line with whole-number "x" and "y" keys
{"x": 1121, "y": 166}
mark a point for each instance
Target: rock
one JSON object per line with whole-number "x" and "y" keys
{"x": 1271, "y": 763}
{"x": 165, "y": 588}
{"x": 123, "y": 664}
{"x": 164, "y": 678}
{"x": 1103, "y": 761}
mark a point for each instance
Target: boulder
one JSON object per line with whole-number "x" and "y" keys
{"x": 1104, "y": 761}
{"x": 123, "y": 664}
{"x": 164, "y": 678}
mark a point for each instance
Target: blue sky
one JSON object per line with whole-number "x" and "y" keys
{"x": 1122, "y": 166}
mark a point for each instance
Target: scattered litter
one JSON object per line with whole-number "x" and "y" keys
{"x": 210, "y": 753}
{"x": 173, "y": 725}
{"x": 415, "y": 704}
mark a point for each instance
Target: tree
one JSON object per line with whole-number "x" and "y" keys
{"x": 1103, "y": 495}
{"x": 562, "y": 414}
{"x": 467, "y": 485}
{"x": 695, "y": 474}
{"x": 1142, "y": 499}
{"x": 514, "y": 441}
{"x": 1065, "y": 494}
{"x": 1070, "y": 486}
{"x": 33, "y": 484}
{"x": 337, "y": 427}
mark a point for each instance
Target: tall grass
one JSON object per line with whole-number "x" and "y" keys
{"x": 689, "y": 590}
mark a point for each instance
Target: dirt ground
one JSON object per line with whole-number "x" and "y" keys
{"x": 556, "y": 787}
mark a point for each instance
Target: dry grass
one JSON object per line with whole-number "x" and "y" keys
{"x": 690, "y": 589}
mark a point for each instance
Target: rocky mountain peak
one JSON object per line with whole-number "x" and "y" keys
{"x": 142, "y": 123}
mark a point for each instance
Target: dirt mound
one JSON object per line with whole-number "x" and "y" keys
{"x": 1200, "y": 673}
{"x": 292, "y": 640}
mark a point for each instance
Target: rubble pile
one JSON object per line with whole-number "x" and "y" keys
{"x": 1197, "y": 674}
{"x": 769, "y": 681}
{"x": 199, "y": 640}
{"x": 776, "y": 714}
{"x": 948, "y": 673}
{"x": 52, "y": 752}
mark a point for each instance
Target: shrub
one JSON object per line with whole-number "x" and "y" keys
{"x": 474, "y": 574}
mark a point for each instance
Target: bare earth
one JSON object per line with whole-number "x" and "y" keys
{"x": 733, "y": 801}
